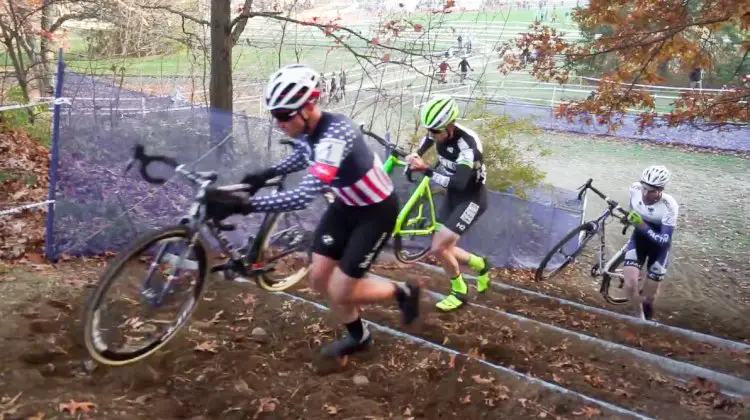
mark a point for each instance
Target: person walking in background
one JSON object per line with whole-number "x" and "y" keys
{"x": 696, "y": 78}
{"x": 464, "y": 67}
{"x": 444, "y": 66}
{"x": 342, "y": 83}
{"x": 334, "y": 91}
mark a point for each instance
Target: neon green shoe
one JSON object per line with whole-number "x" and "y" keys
{"x": 483, "y": 276}
{"x": 452, "y": 302}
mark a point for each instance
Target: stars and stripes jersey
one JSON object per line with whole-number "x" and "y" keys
{"x": 460, "y": 160}
{"x": 660, "y": 217}
{"x": 338, "y": 157}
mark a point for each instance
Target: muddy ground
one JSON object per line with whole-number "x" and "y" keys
{"x": 239, "y": 374}
{"x": 651, "y": 339}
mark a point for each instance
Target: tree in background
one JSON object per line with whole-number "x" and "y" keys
{"x": 637, "y": 42}
{"x": 28, "y": 29}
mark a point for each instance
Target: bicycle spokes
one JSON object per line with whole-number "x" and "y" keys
{"x": 146, "y": 298}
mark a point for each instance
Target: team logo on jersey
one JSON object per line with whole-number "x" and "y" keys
{"x": 327, "y": 240}
{"x": 449, "y": 149}
{"x": 650, "y": 209}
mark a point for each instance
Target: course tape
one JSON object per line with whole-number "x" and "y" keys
{"x": 694, "y": 335}
{"x": 537, "y": 381}
{"x": 22, "y": 208}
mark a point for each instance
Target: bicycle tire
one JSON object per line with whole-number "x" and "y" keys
{"x": 107, "y": 357}
{"x": 408, "y": 258}
{"x": 607, "y": 283}
{"x": 266, "y": 281}
{"x": 591, "y": 231}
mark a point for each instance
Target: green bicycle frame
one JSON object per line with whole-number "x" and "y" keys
{"x": 423, "y": 188}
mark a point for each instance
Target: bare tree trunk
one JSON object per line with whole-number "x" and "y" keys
{"x": 45, "y": 53}
{"x": 220, "y": 88}
{"x": 18, "y": 66}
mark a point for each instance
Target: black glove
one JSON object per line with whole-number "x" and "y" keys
{"x": 221, "y": 204}
{"x": 257, "y": 179}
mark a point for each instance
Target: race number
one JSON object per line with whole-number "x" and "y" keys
{"x": 328, "y": 156}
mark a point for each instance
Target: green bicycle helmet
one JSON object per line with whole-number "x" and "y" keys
{"x": 439, "y": 112}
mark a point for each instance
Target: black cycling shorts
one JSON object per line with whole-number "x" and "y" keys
{"x": 462, "y": 209}
{"x": 354, "y": 236}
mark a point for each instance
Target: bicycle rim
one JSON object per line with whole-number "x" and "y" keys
{"x": 567, "y": 257}
{"x": 410, "y": 254}
{"x": 607, "y": 283}
{"x": 292, "y": 261}
{"x": 102, "y": 352}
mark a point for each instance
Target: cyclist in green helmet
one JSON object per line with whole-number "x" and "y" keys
{"x": 462, "y": 172}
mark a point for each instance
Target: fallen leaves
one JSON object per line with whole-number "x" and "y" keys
{"x": 587, "y": 412}
{"x": 73, "y": 407}
{"x": 331, "y": 409}
{"x": 482, "y": 381}
{"x": 8, "y": 405}
{"x": 207, "y": 346}
{"x": 26, "y": 181}
{"x": 595, "y": 381}
{"x": 266, "y": 405}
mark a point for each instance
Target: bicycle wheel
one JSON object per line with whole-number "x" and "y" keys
{"x": 285, "y": 249}
{"x": 607, "y": 282}
{"x": 410, "y": 248}
{"x": 174, "y": 261}
{"x": 570, "y": 241}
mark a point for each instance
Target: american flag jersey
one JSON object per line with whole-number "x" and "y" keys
{"x": 338, "y": 157}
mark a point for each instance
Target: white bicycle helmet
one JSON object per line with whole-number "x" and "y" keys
{"x": 656, "y": 176}
{"x": 291, "y": 87}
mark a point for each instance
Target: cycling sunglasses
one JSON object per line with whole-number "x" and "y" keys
{"x": 435, "y": 131}
{"x": 649, "y": 187}
{"x": 283, "y": 115}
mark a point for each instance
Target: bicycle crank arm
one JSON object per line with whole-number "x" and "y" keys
{"x": 242, "y": 270}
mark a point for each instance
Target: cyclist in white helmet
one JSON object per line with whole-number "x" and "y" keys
{"x": 462, "y": 172}
{"x": 654, "y": 215}
{"x": 356, "y": 226}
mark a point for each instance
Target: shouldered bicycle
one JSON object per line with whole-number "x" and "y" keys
{"x": 173, "y": 261}
{"x": 572, "y": 245}
{"x": 416, "y": 221}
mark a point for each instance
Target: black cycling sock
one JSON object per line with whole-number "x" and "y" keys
{"x": 356, "y": 329}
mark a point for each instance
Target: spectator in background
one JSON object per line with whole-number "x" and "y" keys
{"x": 468, "y": 45}
{"x": 460, "y": 42}
{"x": 323, "y": 87}
{"x": 342, "y": 80}
{"x": 464, "y": 67}
{"x": 696, "y": 78}
{"x": 334, "y": 91}
{"x": 444, "y": 71}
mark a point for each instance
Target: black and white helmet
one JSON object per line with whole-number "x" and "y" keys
{"x": 291, "y": 87}
{"x": 656, "y": 176}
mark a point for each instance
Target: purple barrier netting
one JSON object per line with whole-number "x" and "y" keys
{"x": 99, "y": 209}
{"x": 735, "y": 139}
{"x": 513, "y": 232}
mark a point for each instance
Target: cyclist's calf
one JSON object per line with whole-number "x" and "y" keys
{"x": 321, "y": 272}
{"x": 443, "y": 241}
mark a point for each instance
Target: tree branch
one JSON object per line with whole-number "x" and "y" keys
{"x": 177, "y": 12}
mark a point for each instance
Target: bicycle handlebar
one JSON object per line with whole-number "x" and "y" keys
{"x": 201, "y": 178}
{"x": 395, "y": 150}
